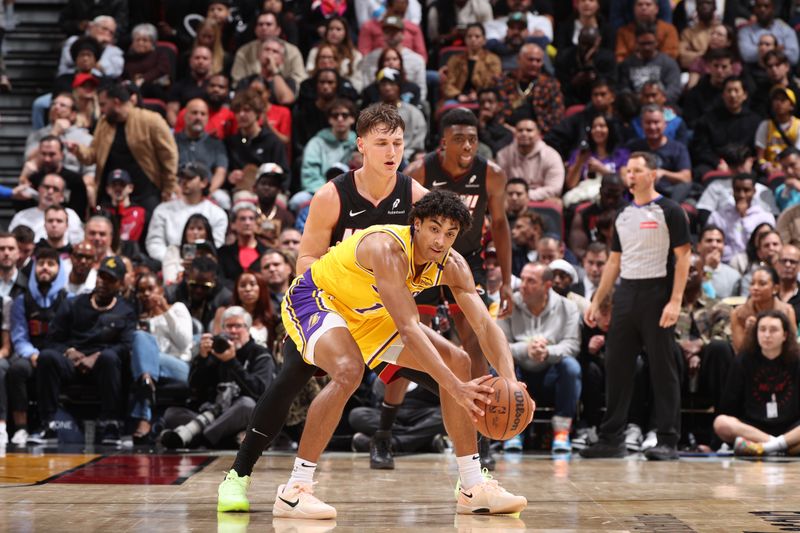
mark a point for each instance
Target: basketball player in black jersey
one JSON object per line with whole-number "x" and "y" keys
{"x": 373, "y": 194}
{"x": 481, "y": 184}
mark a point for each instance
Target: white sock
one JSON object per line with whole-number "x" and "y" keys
{"x": 2, "y": 425}
{"x": 9, "y": 10}
{"x": 303, "y": 471}
{"x": 775, "y": 444}
{"x": 469, "y": 470}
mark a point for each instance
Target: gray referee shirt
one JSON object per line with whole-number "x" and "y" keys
{"x": 645, "y": 235}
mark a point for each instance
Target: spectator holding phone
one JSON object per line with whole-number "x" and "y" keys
{"x": 198, "y": 239}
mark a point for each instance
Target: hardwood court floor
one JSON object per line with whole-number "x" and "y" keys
{"x": 125, "y": 492}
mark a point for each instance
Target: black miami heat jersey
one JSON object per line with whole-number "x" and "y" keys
{"x": 356, "y": 212}
{"x": 471, "y": 187}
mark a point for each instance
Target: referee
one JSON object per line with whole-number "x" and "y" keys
{"x": 651, "y": 252}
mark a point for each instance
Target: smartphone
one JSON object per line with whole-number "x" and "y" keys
{"x": 189, "y": 251}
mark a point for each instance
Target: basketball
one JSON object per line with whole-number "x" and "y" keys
{"x": 509, "y": 412}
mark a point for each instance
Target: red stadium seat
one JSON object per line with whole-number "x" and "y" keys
{"x": 712, "y": 175}
{"x": 574, "y": 110}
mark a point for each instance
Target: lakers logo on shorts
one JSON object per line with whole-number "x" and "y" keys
{"x": 313, "y": 320}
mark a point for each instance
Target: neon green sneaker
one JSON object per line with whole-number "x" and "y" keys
{"x": 232, "y": 493}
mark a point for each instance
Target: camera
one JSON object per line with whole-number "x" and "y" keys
{"x": 584, "y": 145}
{"x": 182, "y": 436}
{"x": 220, "y": 344}
{"x": 189, "y": 251}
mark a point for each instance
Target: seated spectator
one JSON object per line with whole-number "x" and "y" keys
{"x": 654, "y": 93}
{"x": 447, "y": 20}
{"x": 780, "y": 131}
{"x": 195, "y": 145}
{"x": 12, "y": 281}
{"x": 763, "y": 248}
{"x": 472, "y": 71}
{"x": 787, "y": 194}
{"x": 77, "y": 15}
{"x": 278, "y": 117}
{"x": 337, "y": 35}
{"x": 209, "y": 34}
{"x": 760, "y": 408}
{"x": 90, "y": 336}
{"x": 647, "y": 63}
{"x": 544, "y": 334}
{"x": 721, "y": 37}
{"x": 252, "y": 293}
{"x": 161, "y": 349}
{"x": 409, "y": 91}
{"x": 252, "y": 144}
{"x": 62, "y": 124}
{"x": 577, "y": 67}
{"x": 707, "y": 93}
{"x": 723, "y": 279}
{"x": 100, "y": 232}
{"x": 328, "y": 58}
{"x": 702, "y": 333}
{"x": 130, "y": 219}
{"x": 600, "y": 154}
{"x": 25, "y": 245}
{"x": 245, "y": 363}
{"x": 289, "y": 240}
{"x": 310, "y": 113}
{"x": 787, "y": 268}
{"x": 778, "y": 73}
{"x": 586, "y": 14}
{"x": 370, "y": 34}
{"x": 50, "y": 158}
{"x": 51, "y": 192}
{"x": 567, "y": 134}
{"x": 721, "y": 126}
{"x": 587, "y": 221}
{"x": 142, "y": 144}
{"x": 102, "y": 29}
{"x": 366, "y": 10}
{"x": 788, "y": 224}
{"x": 508, "y": 48}
{"x": 492, "y": 129}
{"x": 417, "y": 428}
{"x": 551, "y": 248}
{"x": 269, "y": 182}
{"x": 200, "y": 291}
{"x": 85, "y": 52}
{"x": 192, "y": 85}
{"x": 198, "y": 240}
{"x": 763, "y": 297}
{"x": 55, "y": 228}
{"x": 31, "y": 313}
{"x": 528, "y": 85}
{"x": 147, "y": 65}
{"x": 564, "y": 278}
{"x": 413, "y": 63}
{"x": 695, "y": 38}
{"x": 82, "y": 276}
{"x": 282, "y": 87}
{"x": 738, "y": 221}
{"x": 645, "y": 12}
{"x": 170, "y": 218}
{"x": 593, "y": 263}
{"x": 525, "y": 233}
{"x": 221, "y": 120}
{"x": 249, "y": 58}
{"x": 277, "y": 267}
{"x": 416, "y": 126}
{"x": 242, "y": 254}
{"x": 766, "y": 22}
{"x": 529, "y": 157}
{"x": 674, "y": 166}
{"x": 330, "y": 145}
{"x": 516, "y": 199}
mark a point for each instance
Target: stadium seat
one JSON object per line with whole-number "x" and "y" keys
{"x": 553, "y": 215}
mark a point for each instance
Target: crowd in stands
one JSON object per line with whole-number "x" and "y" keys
{"x": 169, "y": 171}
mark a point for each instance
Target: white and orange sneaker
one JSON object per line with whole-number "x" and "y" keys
{"x": 489, "y": 498}
{"x": 298, "y": 501}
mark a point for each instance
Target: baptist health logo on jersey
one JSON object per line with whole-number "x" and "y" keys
{"x": 394, "y": 210}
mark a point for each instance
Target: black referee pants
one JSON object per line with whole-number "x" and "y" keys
{"x": 637, "y": 308}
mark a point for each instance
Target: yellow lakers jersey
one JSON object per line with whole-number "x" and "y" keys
{"x": 351, "y": 287}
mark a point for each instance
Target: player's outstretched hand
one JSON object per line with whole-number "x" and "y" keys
{"x": 467, "y": 394}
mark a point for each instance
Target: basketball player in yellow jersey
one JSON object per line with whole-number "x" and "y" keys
{"x": 356, "y": 305}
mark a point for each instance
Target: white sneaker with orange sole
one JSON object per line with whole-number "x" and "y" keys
{"x": 298, "y": 501}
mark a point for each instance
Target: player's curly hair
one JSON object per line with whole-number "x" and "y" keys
{"x": 445, "y": 204}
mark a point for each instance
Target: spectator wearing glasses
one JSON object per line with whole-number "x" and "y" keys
{"x": 200, "y": 291}
{"x": 330, "y": 145}
{"x": 787, "y": 267}
{"x": 111, "y": 61}
{"x": 82, "y": 275}
{"x": 169, "y": 218}
{"x": 51, "y": 192}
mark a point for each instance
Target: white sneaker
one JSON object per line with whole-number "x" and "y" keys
{"x": 298, "y": 501}
{"x": 20, "y": 437}
{"x": 489, "y": 498}
{"x": 298, "y": 525}
{"x": 650, "y": 441}
{"x": 633, "y": 438}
